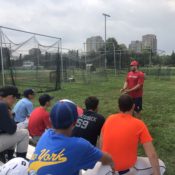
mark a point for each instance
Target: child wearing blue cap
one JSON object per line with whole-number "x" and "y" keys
{"x": 58, "y": 153}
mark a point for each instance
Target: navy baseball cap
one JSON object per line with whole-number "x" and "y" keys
{"x": 63, "y": 114}
{"x": 45, "y": 98}
{"x": 28, "y": 92}
{"x": 9, "y": 90}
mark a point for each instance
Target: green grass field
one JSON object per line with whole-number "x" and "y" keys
{"x": 158, "y": 112}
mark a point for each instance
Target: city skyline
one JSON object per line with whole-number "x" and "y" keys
{"x": 148, "y": 42}
{"x": 74, "y": 21}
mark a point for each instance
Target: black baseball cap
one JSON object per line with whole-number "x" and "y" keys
{"x": 28, "y": 92}
{"x": 44, "y": 98}
{"x": 9, "y": 90}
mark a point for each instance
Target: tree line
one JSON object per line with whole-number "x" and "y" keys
{"x": 119, "y": 56}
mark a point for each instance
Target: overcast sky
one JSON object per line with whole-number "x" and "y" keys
{"x": 76, "y": 20}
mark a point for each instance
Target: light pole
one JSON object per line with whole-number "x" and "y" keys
{"x": 61, "y": 57}
{"x": 85, "y": 52}
{"x": 2, "y": 59}
{"x": 120, "y": 60}
{"x": 150, "y": 59}
{"x": 105, "y": 15}
{"x": 114, "y": 60}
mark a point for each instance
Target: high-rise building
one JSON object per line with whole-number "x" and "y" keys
{"x": 6, "y": 58}
{"x": 94, "y": 43}
{"x": 135, "y": 46}
{"x": 149, "y": 42}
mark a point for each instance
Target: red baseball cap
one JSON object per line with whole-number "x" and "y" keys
{"x": 134, "y": 63}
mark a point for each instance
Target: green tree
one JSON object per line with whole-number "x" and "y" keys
{"x": 172, "y": 61}
{"x": 121, "y": 56}
{"x": 111, "y": 44}
{"x": 122, "y": 47}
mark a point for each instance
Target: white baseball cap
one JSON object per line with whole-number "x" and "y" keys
{"x": 16, "y": 166}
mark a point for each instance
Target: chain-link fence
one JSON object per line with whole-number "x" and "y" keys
{"x": 159, "y": 72}
{"x": 33, "y": 60}
{"x": 89, "y": 67}
{"x": 82, "y": 68}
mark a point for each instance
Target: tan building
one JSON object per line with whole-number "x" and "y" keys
{"x": 135, "y": 46}
{"x": 149, "y": 41}
{"x": 94, "y": 43}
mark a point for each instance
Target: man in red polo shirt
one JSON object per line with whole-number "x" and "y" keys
{"x": 134, "y": 86}
{"x": 39, "y": 119}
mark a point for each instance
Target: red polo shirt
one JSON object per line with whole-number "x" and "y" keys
{"x": 134, "y": 78}
{"x": 38, "y": 121}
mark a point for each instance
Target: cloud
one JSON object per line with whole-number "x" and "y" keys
{"x": 75, "y": 20}
{"x": 171, "y": 5}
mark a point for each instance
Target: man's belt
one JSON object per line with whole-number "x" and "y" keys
{"x": 123, "y": 172}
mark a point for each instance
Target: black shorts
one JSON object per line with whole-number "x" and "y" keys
{"x": 138, "y": 104}
{"x": 123, "y": 172}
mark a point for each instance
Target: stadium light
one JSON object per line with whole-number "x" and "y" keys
{"x": 105, "y": 15}
{"x": 85, "y": 52}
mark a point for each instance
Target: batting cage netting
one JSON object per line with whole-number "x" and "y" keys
{"x": 29, "y": 60}
{"x": 39, "y": 61}
{"x": 94, "y": 65}
{"x": 81, "y": 67}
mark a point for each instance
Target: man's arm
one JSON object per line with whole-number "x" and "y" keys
{"x": 7, "y": 124}
{"x": 133, "y": 89}
{"x": 101, "y": 141}
{"x": 139, "y": 84}
{"x": 152, "y": 155}
{"x": 47, "y": 122}
{"x": 107, "y": 160}
{"x": 29, "y": 109}
{"x": 124, "y": 87}
{"x": 100, "y": 125}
